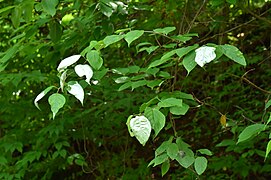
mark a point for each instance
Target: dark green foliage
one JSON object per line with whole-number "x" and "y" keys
{"x": 141, "y": 53}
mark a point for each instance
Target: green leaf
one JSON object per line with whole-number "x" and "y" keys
{"x": 188, "y": 158}
{"x": 41, "y": 95}
{"x": 206, "y": 152}
{"x": 3, "y": 160}
{"x": 6, "y": 8}
{"x": 231, "y": 1}
{"x": 200, "y": 165}
{"x": 163, "y": 147}
{"x": 16, "y": 16}
{"x": 250, "y": 131}
{"x": 106, "y": 8}
{"x": 172, "y": 151}
{"x": 268, "y": 149}
{"x": 125, "y": 86}
{"x": 94, "y": 59}
{"x": 165, "y": 30}
{"x": 268, "y": 104}
{"x": 169, "y": 102}
{"x": 9, "y": 53}
{"x": 164, "y": 58}
{"x": 133, "y": 35}
{"x": 49, "y": 6}
{"x": 158, "y": 160}
{"x": 185, "y": 50}
{"x": 156, "y": 118}
{"x": 148, "y": 49}
{"x": 189, "y": 62}
{"x": 165, "y": 167}
{"x": 108, "y": 40}
{"x": 234, "y": 54}
{"x": 138, "y": 84}
{"x": 268, "y": 121}
{"x": 179, "y": 110}
{"x": 56, "y": 102}
{"x": 55, "y": 31}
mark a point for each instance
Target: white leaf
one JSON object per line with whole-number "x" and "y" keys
{"x": 204, "y": 55}
{"x": 62, "y": 79}
{"x": 84, "y": 70}
{"x": 41, "y": 95}
{"x": 76, "y": 90}
{"x": 141, "y": 128}
{"x": 67, "y": 62}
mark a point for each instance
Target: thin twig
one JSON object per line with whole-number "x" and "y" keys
{"x": 197, "y": 14}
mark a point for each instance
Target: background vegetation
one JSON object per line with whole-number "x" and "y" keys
{"x": 92, "y": 141}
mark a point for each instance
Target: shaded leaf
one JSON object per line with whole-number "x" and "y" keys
{"x": 49, "y": 6}
{"x": 165, "y": 167}
{"x": 250, "y": 131}
{"x": 179, "y": 110}
{"x": 94, "y": 59}
{"x": 165, "y": 30}
{"x": 185, "y": 50}
{"x": 108, "y": 40}
{"x": 156, "y": 118}
{"x": 189, "y": 62}
{"x": 172, "y": 151}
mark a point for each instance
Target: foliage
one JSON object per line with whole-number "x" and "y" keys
{"x": 105, "y": 64}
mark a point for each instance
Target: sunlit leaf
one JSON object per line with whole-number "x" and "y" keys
{"x": 41, "y": 95}
{"x": 76, "y": 89}
{"x": 67, "y": 62}
{"x": 234, "y": 54}
{"x": 84, "y": 70}
{"x": 204, "y": 55}
{"x": 56, "y": 102}
{"x": 140, "y": 127}
{"x": 200, "y": 165}
{"x": 133, "y": 35}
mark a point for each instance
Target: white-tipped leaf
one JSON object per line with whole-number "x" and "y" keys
{"x": 63, "y": 79}
{"x": 67, "y": 62}
{"x": 204, "y": 55}
{"x": 84, "y": 70}
{"x": 141, "y": 128}
{"x": 76, "y": 90}
{"x": 41, "y": 95}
